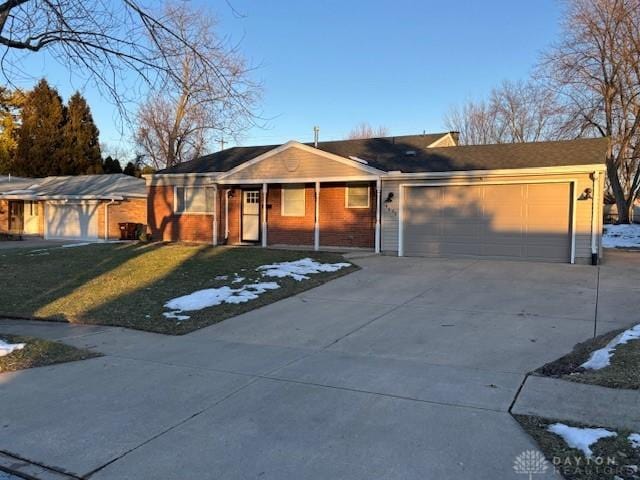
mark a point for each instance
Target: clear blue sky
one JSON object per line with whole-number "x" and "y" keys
{"x": 334, "y": 63}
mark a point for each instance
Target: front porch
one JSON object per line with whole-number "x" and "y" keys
{"x": 314, "y": 215}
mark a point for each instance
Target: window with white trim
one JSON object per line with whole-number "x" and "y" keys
{"x": 357, "y": 196}
{"x": 193, "y": 200}
{"x": 293, "y": 201}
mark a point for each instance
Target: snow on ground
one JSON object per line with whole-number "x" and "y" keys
{"x": 602, "y": 358}
{"x": 210, "y": 297}
{"x": 299, "y": 269}
{"x": 634, "y": 438}
{"x": 7, "y": 348}
{"x": 580, "y": 438}
{"x": 616, "y": 236}
{"x": 80, "y": 244}
{"x": 215, "y": 296}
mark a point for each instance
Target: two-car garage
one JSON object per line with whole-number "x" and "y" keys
{"x": 513, "y": 219}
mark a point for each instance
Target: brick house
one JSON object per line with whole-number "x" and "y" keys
{"x": 419, "y": 195}
{"x": 84, "y": 207}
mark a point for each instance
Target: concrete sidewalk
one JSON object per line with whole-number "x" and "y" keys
{"x": 577, "y": 402}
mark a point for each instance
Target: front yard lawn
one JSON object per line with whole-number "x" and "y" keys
{"x": 623, "y": 370}
{"x": 615, "y": 456}
{"x": 128, "y": 285}
{"x": 38, "y": 353}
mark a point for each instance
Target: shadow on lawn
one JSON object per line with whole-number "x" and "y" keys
{"x": 142, "y": 307}
{"x": 128, "y": 285}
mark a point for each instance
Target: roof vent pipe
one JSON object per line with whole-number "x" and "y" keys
{"x": 316, "y": 132}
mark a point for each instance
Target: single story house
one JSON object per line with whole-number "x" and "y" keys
{"x": 84, "y": 207}
{"x": 419, "y": 195}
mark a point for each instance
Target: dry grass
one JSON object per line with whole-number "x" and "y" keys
{"x": 128, "y": 284}
{"x": 39, "y": 353}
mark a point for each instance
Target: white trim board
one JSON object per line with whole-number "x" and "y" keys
{"x": 507, "y": 172}
{"x": 571, "y": 181}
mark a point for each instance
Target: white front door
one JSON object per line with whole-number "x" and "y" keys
{"x": 31, "y": 217}
{"x": 250, "y": 215}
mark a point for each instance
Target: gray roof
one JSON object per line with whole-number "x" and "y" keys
{"x": 225, "y": 160}
{"x": 86, "y": 186}
{"x": 411, "y": 154}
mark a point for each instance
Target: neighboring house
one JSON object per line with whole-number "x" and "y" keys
{"x": 84, "y": 207}
{"x": 410, "y": 196}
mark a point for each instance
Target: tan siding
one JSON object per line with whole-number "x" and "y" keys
{"x": 295, "y": 163}
{"x": 583, "y": 209}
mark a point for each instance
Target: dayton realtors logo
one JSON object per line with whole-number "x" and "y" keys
{"x": 530, "y": 462}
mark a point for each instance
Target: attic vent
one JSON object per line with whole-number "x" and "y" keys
{"x": 359, "y": 160}
{"x": 410, "y": 153}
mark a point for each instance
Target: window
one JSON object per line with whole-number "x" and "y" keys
{"x": 253, "y": 197}
{"x": 193, "y": 200}
{"x": 357, "y": 196}
{"x": 293, "y": 201}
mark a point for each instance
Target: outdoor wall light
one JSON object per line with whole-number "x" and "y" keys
{"x": 586, "y": 195}
{"x": 389, "y": 198}
{"x": 230, "y": 194}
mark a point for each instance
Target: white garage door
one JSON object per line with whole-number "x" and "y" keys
{"x": 72, "y": 221}
{"x": 528, "y": 221}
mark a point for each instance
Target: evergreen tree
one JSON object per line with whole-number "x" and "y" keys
{"x": 10, "y": 103}
{"x": 81, "y": 147}
{"x": 111, "y": 165}
{"x": 131, "y": 169}
{"x": 39, "y": 145}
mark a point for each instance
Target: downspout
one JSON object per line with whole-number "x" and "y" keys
{"x": 226, "y": 216}
{"x": 106, "y": 219}
{"x": 594, "y": 217}
{"x": 378, "y": 199}
{"x": 214, "y": 217}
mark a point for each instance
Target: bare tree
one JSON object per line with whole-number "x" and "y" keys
{"x": 596, "y": 69}
{"x": 515, "y": 112}
{"x": 107, "y": 41}
{"x": 177, "y": 122}
{"x": 475, "y": 123}
{"x": 365, "y": 130}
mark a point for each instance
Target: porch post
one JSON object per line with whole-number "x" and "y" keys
{"x": 264, "y": 214}
{"x": 316, "y": 225}
{"x": 214, "y": 216}
{"x": 378, "y": 197}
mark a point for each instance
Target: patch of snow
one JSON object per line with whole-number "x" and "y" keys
{"x": 238, "y": 279}
{"x": 621, "y": 236}
{"x": 634, "y": 438}
{"x": 580, "y": 438}
{"x": 81, "y": 244}
{"x": 299, "y": 269}
{"x": 221, "y": 277}
{"x": 176, "y": 316}
{"x": 215, "y": 296}
{"x": 7, "y": 348}
{"x": 602, "y": 357}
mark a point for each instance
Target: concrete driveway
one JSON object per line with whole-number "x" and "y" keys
{"x": 405, "y": 369}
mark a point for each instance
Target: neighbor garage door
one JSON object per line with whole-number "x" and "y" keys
{"x": 529, "y": 221}
{"x": 77, "y": 221}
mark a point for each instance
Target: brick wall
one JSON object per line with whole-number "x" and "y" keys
{"x": 132, "y": 210}
{"x": 4, "y": 216}
{"x": 167, "y": 226}
{"x": 284, "y": 230}
{"x": 346, "y": 227}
